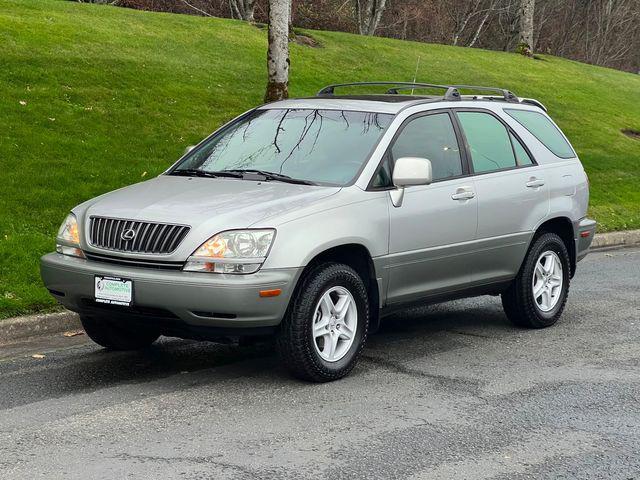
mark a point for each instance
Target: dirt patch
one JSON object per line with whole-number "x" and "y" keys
{"x": 631, "y": 133}
{"x": 306, "y": 41}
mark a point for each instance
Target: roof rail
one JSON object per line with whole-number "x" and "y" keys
{"x": 450, "y": 94}
{"x": 452, "y": 91}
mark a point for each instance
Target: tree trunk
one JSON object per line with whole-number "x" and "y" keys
{"x": 369, "y": 14}
{"x": 525, "y": 40}
{"x": 242, "y": 9}
{"x": 278, "y": 51}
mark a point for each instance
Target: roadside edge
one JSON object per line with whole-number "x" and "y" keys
{"x": 19, "y": 328}
{"x": 616, "y": 239}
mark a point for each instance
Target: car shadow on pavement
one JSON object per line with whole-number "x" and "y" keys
{"x": 406, "y": 334}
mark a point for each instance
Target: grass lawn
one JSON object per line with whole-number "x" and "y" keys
{"x": 96, "y": 97}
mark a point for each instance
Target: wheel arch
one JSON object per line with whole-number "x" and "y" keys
{"x": 563, "y": 227}
{"x": 358, "y": 257}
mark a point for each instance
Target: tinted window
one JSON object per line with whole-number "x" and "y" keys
{"x": 522, "y": 157}
{"x": 325, "y": 146}
{"x": 544, "y": 130}
{"x": 488, "y": 141}
{"x": 431, "y": 137}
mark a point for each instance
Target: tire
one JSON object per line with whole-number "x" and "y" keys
{"x": 520, "y": 302}
{"x": 117, "y": 335}
{"x": 323, "y": 357}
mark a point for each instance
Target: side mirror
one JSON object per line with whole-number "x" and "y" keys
{"x": 188, "y": 149}
{"x": 409, "y": 171}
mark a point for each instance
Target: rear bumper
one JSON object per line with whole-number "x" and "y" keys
{"x": 585, "y": 231}
{"x": 197, "y": 299}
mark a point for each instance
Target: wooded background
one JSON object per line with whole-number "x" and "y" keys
{"x": 600, "y": 32}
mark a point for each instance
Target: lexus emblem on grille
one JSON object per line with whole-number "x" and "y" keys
{"x": 128, "y": 234}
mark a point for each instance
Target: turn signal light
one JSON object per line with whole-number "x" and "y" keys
{"x": 270, "y": 293}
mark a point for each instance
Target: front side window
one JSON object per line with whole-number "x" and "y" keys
{"x": 544, "y": 130}
{"x": 488, "y": 141}
{"x": 320, "y": 146}
{"x": 431, "y": 137}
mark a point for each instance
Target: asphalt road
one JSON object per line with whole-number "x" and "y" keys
{"x": 446, "y": 392}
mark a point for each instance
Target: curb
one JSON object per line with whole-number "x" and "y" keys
{"x": 616, "y": 239}
{"x": 19, "y": 328}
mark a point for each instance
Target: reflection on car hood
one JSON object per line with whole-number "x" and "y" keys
{"x": 211, "y": 203}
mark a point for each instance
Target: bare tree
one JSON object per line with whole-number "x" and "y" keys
{"x": 608, "y": 38}
{"x": 369, "y": 13}
{"x": 525, "y": 40}
{"x": 278, "y": 51}
{"x": 242, "y": 9}
{"x": 483, "y": 23}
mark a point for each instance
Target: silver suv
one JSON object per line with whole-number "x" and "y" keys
{"x": 312, "y": 218}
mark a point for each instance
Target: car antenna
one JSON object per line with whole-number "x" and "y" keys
{"x": 415, "y": 75}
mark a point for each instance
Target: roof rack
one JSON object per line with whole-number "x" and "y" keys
{"x": 452, "y": 91}
{"x": 506, "y": 94}
{"x": 450, "y": 94}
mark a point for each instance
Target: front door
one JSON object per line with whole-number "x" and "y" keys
{"x": 432, "y": 232}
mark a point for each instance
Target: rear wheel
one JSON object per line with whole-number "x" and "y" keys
{"x": 117, "y": 335}
{"x": 537, "y": 296}
{"x": 325, "y": 328}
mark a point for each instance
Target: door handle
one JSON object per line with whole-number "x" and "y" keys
{"x": 463, "y": 193}
{"x": 535, "y": 183}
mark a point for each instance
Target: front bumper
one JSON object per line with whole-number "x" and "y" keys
{"x": 197, "y": 299}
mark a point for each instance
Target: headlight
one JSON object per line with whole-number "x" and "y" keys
{"x": 68, "y": 238}
{"x": 234, "y": 251}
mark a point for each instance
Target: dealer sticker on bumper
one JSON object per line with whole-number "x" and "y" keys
{"x": 114, "y": 291}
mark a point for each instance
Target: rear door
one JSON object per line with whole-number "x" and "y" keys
{"x": 512, "y": 194}
{"x": 431, "y": 234}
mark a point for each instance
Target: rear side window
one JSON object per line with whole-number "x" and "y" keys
{"x": 488, "y": 141}
{"x": 431, "y": 137}
{"x": 544, "y": 130}
{"x": 522, "y": 157}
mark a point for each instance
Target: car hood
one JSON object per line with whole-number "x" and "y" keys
{"x": 208, "y": 205}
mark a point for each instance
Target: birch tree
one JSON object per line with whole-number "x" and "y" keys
{"x": 278, "y": 51}
{"x": 525, "y": 39}
{"x": 242, "y": 9}
{"x": 369, "y": 13}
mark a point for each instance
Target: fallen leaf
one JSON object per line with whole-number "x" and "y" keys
{"x": 22, "y": 102}
{"x": 38, "y": 355}
{"x": 73, "y": 333}
{"x": 52, "y": 119}
{"x": 144, "y": 174}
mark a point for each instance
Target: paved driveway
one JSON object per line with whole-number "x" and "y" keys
{"x": 452, "y": 392}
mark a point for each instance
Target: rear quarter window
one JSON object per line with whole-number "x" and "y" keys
{"x": 544, "y": 130}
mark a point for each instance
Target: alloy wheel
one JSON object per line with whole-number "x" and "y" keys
{"x": 547, "y": 281}
{"x": 334, "y": 324}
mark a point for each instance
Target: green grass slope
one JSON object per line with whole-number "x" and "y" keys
{"x": 96, "y": 97}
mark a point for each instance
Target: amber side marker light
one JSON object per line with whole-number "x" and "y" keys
{"x": 270, "y": 293}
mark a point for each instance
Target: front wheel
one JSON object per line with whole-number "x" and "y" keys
{"x": 325, "y": 328}
{"x": 537, "y": 296}
{"x": 117, "y": 335}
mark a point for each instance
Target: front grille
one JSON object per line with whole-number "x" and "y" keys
{"x": 148, "y": 237}
{"x": 134, "y": 262}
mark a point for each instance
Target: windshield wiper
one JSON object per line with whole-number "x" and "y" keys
{"x": 279, "y": 177}
{"x": 195, "y": 172}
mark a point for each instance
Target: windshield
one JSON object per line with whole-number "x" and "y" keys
{"x": 319, "y": 146}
